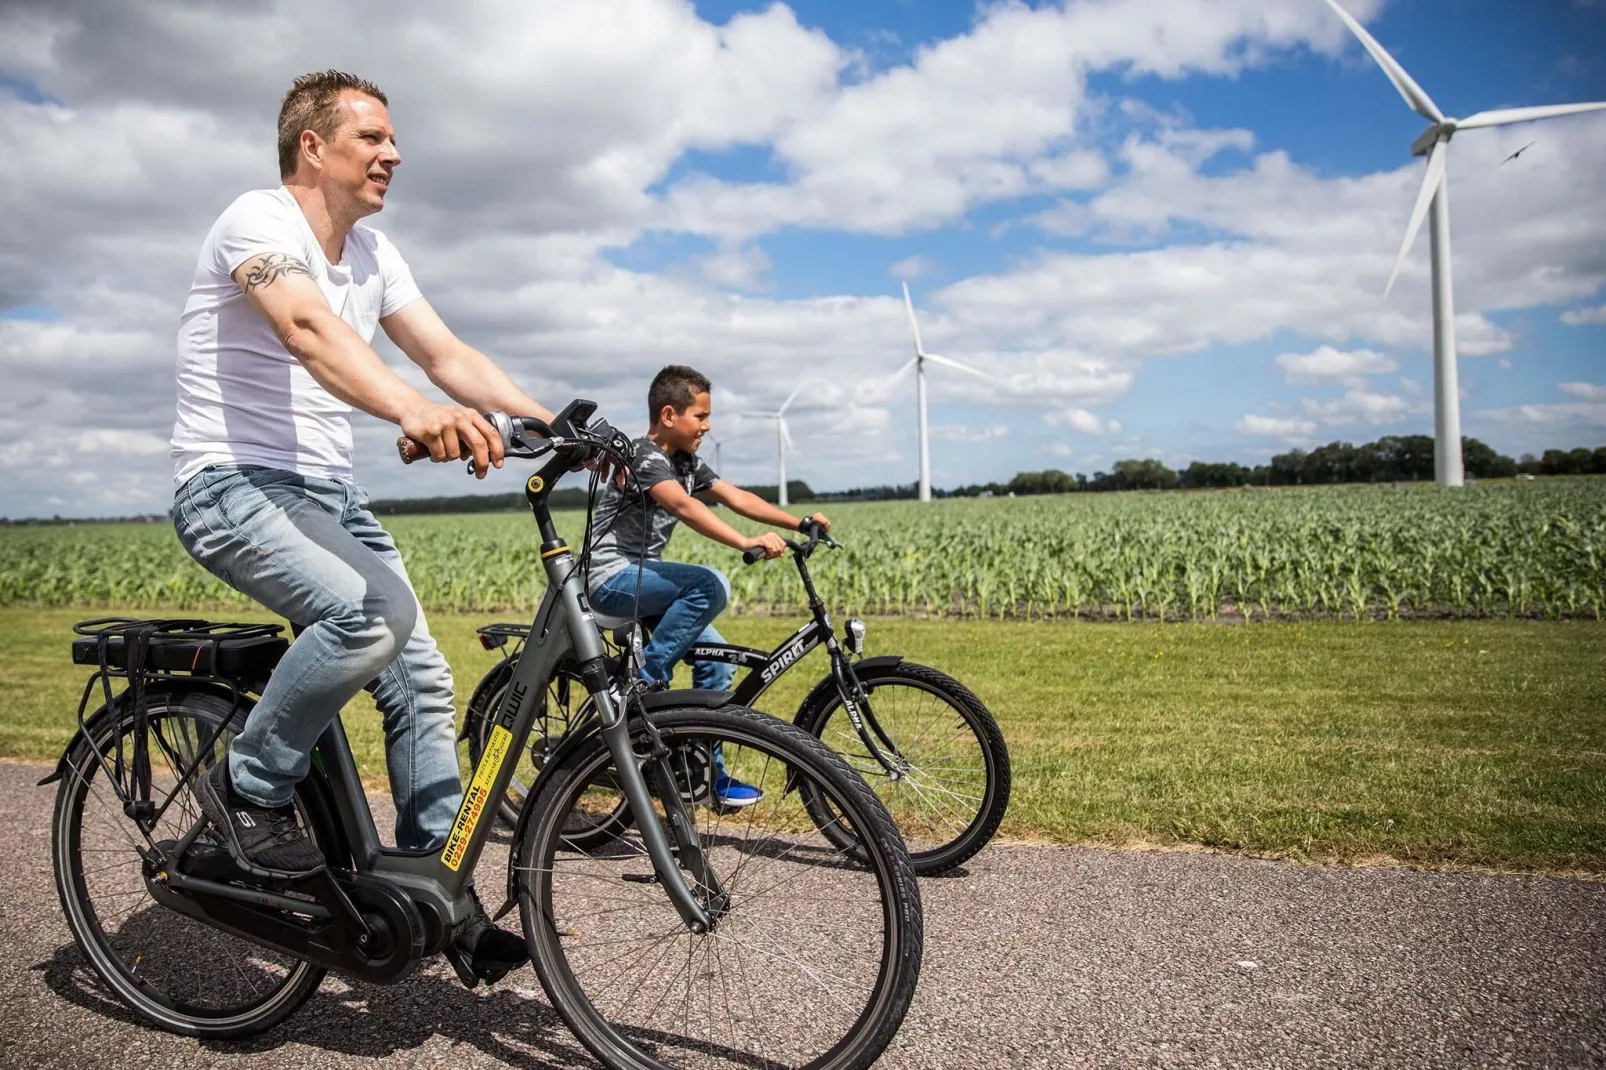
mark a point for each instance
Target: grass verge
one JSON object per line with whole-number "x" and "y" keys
{"x": 1478, "y": 743}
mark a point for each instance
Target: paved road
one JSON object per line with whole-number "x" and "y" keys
{"x": 1037, "y": 957}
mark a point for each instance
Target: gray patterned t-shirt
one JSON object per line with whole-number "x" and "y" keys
{"x": 630, "y": 533}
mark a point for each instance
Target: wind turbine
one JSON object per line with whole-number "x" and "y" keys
{"x": 918, "y": 363}
{"x": 783, "y": 436}
{"x": 1434, "y": 143}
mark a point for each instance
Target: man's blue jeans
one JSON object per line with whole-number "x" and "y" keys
{"x": 309, "y": 550}
{"x": 687, "y": 598}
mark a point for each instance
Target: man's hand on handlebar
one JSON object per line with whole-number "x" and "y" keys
{"x": 453, "y": 432}
{"x": 815, "y": 518}
{"x": 772, "y": 545}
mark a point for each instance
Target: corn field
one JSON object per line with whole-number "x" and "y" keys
{"x": 1491, "y": 550}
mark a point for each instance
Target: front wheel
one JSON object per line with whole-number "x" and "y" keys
{"x": 815, "y": 948}
{"x": 950, "y": 786}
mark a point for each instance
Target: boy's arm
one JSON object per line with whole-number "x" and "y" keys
{"x": 701, "y": 519}
{"x": 750, "y": 505}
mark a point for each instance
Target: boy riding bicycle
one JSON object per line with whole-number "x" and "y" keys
{"x": 682, "y": 600}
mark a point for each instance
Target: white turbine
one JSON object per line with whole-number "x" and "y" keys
{"x": 783, "y": 437}
{"x": 1434, "y": 143}
{"x": 918, "y": 363}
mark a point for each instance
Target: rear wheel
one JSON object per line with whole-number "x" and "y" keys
{"x": 815, "y": 948}
{"x": 951, "y": 788}
{"x": 180, "y": 974}
{"x": 603, "y": 815}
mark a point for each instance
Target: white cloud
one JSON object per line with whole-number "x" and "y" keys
{"x": 960, "y": 433}
{"x": 912, "y": 267}
{"x": 1081, "y": 421}
{"x": 1504, "y": 364}
{"x": 1327, "y": 363}
{"x": 1579, "y": 317}
{"x": 1587, "y": 391}
{"x": 738, "y": 267}
{"x": 1055, "y": 449}
{"x": 1359, "y": 406}
{"x": 1291, "y": 430}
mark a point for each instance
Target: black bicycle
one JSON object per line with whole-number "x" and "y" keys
{"x": 929, "y": 747}
{"x": 696, "y": 938}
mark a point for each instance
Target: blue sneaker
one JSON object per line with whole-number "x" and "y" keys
{"x": 733, "y": 794}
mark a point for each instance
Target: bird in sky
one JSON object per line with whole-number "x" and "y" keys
{"x": 1519, "y": 152}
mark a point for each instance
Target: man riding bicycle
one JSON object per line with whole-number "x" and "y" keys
{"x": 273, "y": 354}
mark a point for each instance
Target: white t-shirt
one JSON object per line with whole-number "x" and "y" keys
{"x": 242, "y": 398}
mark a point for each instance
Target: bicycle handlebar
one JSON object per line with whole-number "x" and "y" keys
{"x": 816, "y": 534}
{"x": 512, "y": 429}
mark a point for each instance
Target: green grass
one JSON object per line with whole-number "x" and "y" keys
{"x": 1431, "y": 743}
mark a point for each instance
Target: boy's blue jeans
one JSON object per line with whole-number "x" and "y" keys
{"x": 310, "y": 550}
{"x": 686, "y": 598}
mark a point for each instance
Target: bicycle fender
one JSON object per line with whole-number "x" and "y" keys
{"x": 96, "y": 720}
{"x": 809, "y": 707}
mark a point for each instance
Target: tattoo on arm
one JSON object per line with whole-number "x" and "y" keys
{"x": 270, "y": 267}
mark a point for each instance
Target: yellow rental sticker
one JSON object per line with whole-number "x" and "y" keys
{"x": 475, "y": 798}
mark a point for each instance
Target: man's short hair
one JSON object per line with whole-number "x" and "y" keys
{"x": 676, "y": 386}
{"x": 313, "y": 104}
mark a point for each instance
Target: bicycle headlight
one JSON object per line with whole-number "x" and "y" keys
{"x": 853, "y": 628}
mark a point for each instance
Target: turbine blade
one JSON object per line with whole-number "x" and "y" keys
{"x": 1506, "y": 116}
{"x": 1413, "y": 93}
{"x": 914, "y": 327}
{"x": 961, "y": 367}
{"x": 790, "y": 398}
{"x": 786, "y": 433}
{"x": 1430, "y": 186}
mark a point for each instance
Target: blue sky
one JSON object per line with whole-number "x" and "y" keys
{"x": 1164, "y": 227}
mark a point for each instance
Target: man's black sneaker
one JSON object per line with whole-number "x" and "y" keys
{"x": 267, "y": 837}
{"x": 482, "y": 951}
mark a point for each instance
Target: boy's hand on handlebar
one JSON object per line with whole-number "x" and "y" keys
{"x": 453, "y": 432}
{"x": 772, "y": 544}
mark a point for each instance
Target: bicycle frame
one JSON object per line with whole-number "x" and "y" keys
{"x": 765, "y": 667}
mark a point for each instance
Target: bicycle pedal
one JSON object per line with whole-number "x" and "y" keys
{"x": 462, "y": 966}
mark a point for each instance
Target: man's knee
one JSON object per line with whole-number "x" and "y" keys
{"x": 376, "y": 629}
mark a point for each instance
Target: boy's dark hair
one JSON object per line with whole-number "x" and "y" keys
{"x": 676, "y": 386}
{"x": 311, "y": 104}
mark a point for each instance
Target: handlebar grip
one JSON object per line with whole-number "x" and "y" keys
{"x": 753, "y": 555}
{"x": 411, "y": 449}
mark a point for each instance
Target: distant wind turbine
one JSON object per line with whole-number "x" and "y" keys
{"x": 918, "y": 363}
{"x": 1434, "y": 143}
{"x": 783, "y": 436}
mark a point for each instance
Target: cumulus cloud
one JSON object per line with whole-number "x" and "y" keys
{"x": 1360, "y": 406}
{"x": 1326, "y": 364}
{"x": 1081, "y": 421}
{"x": 961, "y": 433}
{"x": 1579, "y": 317}
{"x": 1587, "y": 391}
{"x": 541, "y": 146}
{"x": 1286, "y": 428}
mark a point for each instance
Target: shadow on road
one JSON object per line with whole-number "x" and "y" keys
{"x": 353, "y": 1018}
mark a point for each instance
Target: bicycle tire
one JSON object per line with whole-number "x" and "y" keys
{"x": 932, "y": 852}
{"x": 132, "y": 975}
{"x": 881, "y": 889}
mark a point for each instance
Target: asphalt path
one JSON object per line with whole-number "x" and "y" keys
{"x": 1037, "y": 956}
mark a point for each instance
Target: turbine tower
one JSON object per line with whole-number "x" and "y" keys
{"x": 1434, "y": 143}
{"x": 783, "y": 437}
{"x": 918, "y": 363}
